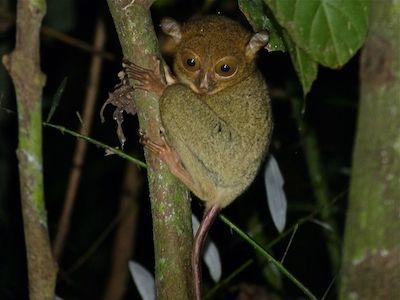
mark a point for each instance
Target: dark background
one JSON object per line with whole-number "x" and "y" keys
{"x": 330, "y": 110}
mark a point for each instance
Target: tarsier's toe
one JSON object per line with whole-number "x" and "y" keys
{"x": 149, "y": 80}
{"x": 143, "y": 138}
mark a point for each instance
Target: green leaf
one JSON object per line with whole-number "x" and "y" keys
{"x": 260, "y": 18}
{"x": 56, "y": 98}
{"x": 330, "y": 31}
{"x": 306, "y": 68}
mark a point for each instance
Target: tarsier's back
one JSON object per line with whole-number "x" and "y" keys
{"x": 221, "y": 134}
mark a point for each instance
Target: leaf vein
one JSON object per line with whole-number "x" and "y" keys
{"x": 328, "y": 21}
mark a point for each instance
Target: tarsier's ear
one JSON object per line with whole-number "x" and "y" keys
{"x": 257, "y": 41}
{"x": 172, "y": 28}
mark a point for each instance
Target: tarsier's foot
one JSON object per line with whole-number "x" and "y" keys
{"x": 169, "y": 156}
{"x": 163, "y": 151}
{"x": 148, "y": 80}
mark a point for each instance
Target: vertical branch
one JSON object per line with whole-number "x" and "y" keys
{"x": 172, "y": 230}
{"x": 125, "y": 234}
{"x": 80, "y": 146}
{"x": 23, "y": 65}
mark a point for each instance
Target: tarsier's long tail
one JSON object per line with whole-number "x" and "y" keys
{"x": 208, "y": 219}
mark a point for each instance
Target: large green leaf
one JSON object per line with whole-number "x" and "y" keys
{"x": 330, "y": 31}
{"x": 260, "y": 18}
{"x": 306, "y": 68}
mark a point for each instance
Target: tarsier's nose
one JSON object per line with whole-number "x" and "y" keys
{"x": 206, "y": 84}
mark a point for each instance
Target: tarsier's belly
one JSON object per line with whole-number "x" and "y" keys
{"x": 221, "y": 139}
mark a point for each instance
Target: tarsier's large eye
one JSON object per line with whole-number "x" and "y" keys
{"x": 226, "y": 67}
{"x": 190, "y": 61}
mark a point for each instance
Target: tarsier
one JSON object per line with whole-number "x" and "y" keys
{"x": 216, "y": 114}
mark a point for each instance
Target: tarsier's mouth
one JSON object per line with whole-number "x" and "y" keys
{"x": 203, "y": 91}
{"x": 210, "y": 90}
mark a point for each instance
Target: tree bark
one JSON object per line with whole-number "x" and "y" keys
{"x": 170, "y": 202}
{"x": 23, "y": 65}
{"x": 371, "y": 254}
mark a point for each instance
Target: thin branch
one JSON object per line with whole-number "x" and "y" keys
{"x": 64, "y": 38}
{"x": 268, "y": 256}
{"x": 125, "y": 235}
{"x": 171, "y": 213}
{"x": 23, "y": 65}
{"x": 289, "y": 243}
{"x": 228, "y": 279}
{"x": 109, "y": 150}
{"x": 77, "y": 43}
{"x": 80, "y": 146}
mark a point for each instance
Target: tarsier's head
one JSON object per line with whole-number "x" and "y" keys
{"x": 212, "y": 52}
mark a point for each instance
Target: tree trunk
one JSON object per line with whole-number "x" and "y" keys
{"x": 371, "y": 254}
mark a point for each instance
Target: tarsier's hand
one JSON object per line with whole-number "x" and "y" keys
{"x": 147, "y": 80}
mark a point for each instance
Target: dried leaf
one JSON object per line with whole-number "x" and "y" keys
{"x": 122, "y": 99}
{"x": 56, "y": 98}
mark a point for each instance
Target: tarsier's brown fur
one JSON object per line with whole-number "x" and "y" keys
{"x": 217, "y": 128}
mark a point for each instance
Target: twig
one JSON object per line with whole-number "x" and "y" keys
{"x": 23, "y": 64}
{"x": 329, "y": 287}
{"x": 228, "y": 279}
{"x": 289, "y": 243}
{"x": 268, "y": 256}
{"x": 108, "y": 148}
{"x": 80, "y": 147}
{"x": 64, "y": 38}
{"x": 77, "y": 43}
{"x": 171, "y": 213}
{"x": 125, "y": 235}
